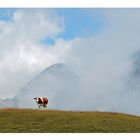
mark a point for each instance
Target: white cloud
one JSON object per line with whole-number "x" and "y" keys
{"x": 105, "y": 62}
{"x": 21, "y": 55}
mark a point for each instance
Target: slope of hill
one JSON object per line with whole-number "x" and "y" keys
{"x": 44, "y": 121}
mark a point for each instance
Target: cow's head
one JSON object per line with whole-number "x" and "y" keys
{"x": 36, "y": 99}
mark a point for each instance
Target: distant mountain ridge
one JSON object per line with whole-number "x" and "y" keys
{"x": 7, "y": 103}
{"x": 58, "y": 82}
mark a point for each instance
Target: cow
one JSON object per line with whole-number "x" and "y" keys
{"x": 41, "y": 101}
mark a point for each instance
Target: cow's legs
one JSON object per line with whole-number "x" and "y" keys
{"x": 45, "y": 106}
{"x": 39, "y": 106}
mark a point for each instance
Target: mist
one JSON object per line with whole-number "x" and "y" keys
{"x": 104, "y": 67}
{"x": 108, "y": 64}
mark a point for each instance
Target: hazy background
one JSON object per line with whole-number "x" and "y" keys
{"x": 95, "y": 55}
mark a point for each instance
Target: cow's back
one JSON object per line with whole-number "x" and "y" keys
{"x": 45, "y": 100}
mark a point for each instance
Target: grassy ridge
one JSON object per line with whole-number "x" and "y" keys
{"x": 27, "y": 120}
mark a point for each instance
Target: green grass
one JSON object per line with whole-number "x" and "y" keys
{"x": 44, "y": 121}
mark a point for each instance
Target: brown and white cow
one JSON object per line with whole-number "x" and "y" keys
{"x": 41, "y": 101}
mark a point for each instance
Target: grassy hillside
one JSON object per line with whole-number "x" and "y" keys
{"x": 27, "y": 120}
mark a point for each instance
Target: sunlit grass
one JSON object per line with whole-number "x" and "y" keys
{"x": 43, "y": 121}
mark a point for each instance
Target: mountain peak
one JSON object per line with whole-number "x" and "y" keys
{"x": 58, "y": 82}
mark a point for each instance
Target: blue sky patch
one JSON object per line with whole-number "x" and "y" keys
{"x": 6, "y": 13}
{"x": 48, "y": 41}
{"x": 81, "y": 22}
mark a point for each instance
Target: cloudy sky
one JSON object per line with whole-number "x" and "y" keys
{"x": 101, "y": 45}
{"x": 32, "y": 39}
